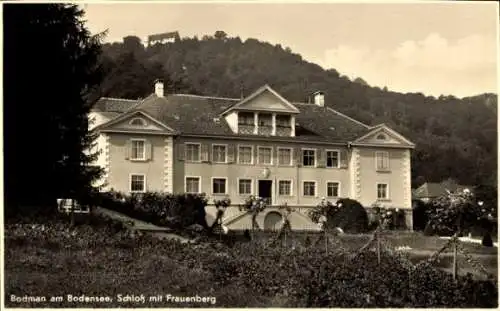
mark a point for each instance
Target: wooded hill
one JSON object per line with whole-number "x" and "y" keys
{"x": 455, "y": 137}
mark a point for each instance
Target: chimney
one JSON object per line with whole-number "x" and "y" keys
{"x": 319, "y": 98}
{"x": 159, "y": 88}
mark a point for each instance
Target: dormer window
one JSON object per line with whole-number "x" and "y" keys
{"x": 245, "y": 118}
{"x": 138, "y": 122}
{"x": 283, "y": 121}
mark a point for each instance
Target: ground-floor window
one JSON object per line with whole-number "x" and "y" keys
{"x": 309, "y": 188}
{"x": 285, "y": 187}
{"x": 137, "y": 183}
{"x": 332, "y": 189}
{"x": 219, "y": 186}
{"x": 193, "y": 184}
{"x": 245, "y": 186}
{"x": 382, "y": 191}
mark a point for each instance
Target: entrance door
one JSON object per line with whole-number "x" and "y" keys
{"x": 265, "y": 190}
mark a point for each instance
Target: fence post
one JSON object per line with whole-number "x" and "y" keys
{"x": 455, "y": 263}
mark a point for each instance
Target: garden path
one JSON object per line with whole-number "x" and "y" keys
{"x": 160, "y": 232}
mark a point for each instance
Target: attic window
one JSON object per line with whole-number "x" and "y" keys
{"x": 138, "y": 122}
{"x": 381, "y": 137}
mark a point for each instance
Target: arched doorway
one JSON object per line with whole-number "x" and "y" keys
{"x": 273, "y": 221}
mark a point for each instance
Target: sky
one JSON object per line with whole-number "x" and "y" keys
{"x": 433, "y": 48}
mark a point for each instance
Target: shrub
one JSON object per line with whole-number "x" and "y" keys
{"x": 172, "y": 210}
{"x": 391, "y": 218}
{"x": 420, "y": 218}
{"x": 347, "y": 214}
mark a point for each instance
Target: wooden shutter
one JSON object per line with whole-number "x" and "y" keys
{"x": 298, "y": 157}
{"x": 231, "y": 153}
{"x": 321, "y": 157}
{"x": 128, "y": 149}
{"x": 205, "y": 153}
{"x": 149, "y": 150}
{"x": 343, "y": 159}
{"x": 181, "y": 151}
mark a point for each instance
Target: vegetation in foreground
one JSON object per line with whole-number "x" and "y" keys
{"x": 101, "y": 258}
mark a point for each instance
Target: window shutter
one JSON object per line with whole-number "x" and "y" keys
{"x": 149, "y": 150}
{"x": 205, "y": 153}
{"x": 298, "y": 157}
{"x": 181, "y": 151}
{"x": 230, "y": 153}
{"x": 343, "y": 158}
{"x": 321, "y": 157}
{"x": 128, "y": 149}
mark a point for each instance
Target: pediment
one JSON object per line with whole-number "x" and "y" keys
{"x": 136, "y": 121}
{"x": 265, "y": 99}
{"x": 383, "y": 136}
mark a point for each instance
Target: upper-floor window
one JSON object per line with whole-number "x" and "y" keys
{"x": 245, "y": 118}
{"x": 219, "y": 153}
{"x": 283, "y": 121}
{"x": 265, "y": 119}
{"x": 285, "y": 156}
{"x": 192, "y": 152}
{"x": 382, "y": 160}
{"x": 138, "y": 149}
{"x": 332, "y": 158}
{"x": 245, "y": 154}
{"x": 308, "y": 157}
{"x": 265, "y": 155}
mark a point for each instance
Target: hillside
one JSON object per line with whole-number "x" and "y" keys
{"x": 455, "y": 137}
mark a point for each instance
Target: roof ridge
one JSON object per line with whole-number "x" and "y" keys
{"x": 123, "y": 99}
{"x": 347, "y": 117}
{"x": 203, "y": 96}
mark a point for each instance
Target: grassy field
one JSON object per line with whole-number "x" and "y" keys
{"x": 51, "y": 261}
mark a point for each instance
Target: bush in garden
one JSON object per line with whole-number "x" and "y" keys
{"x": 163, "y": 209}
{"x": 254, "y": 205}
{"x": 347, "y": 214}
{"x": 390, "y": 218}
{"x": 458, "y": 212}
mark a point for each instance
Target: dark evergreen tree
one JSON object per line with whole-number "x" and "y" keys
{"x": 51, "y": 74}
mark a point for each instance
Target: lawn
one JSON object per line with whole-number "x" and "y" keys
{"x": 100, "y": 260}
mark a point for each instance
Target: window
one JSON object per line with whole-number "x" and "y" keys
{"x": 332, "y": 158}
{"x": 265, "y": 155}
{"x": 193, "y": 152}
{"x": 137, "y": 183}
{"x": 308, "y": 157}
{"x": 284, "y": 156}
{"x": 192, "y": 184}
{"x": 332, "y": 189}
{"x": 285, "y": 187}
{"x": 283, "y": 121}
{"x": 382, "y": 159}
{"x": 138, "y": 122}
{"x": 381, "y": 137}
{"x": 245, "y": 154}
{"x": 265, "y": 120}
{"x": 219, "y": 186}
{"x": 382, "y": 191}
{"x": 138, "y": 150}
{"x": 309, "y": 188}
{"x": 245, "y": 118}
{"x": 245, "y": 186}
{"x": 219, "y": 153}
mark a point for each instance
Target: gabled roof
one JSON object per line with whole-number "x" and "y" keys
{"x": 202, "y": 116}
{"x": 259, "y": 91}
{"x": 433, "y": 190}
{"x": 400, "y": 139}
{"x": 165, "y": 35}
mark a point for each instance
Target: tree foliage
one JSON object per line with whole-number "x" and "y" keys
{"x": 454, "y": 137}
{"x": 51, "y": 74}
